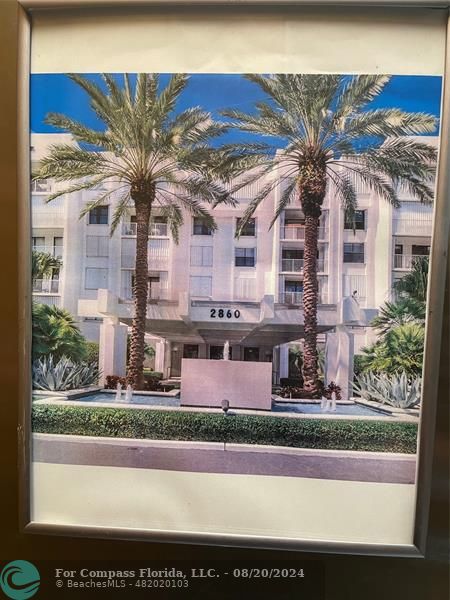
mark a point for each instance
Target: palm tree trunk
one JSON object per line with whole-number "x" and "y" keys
{"x": 137, "y": 345}
{"x": 310, "y": 300}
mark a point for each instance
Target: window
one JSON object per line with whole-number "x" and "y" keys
{"x": 216, "y": 352}
{"x": 40, "y": 185}
{"x": 99, "y": 215}
{"x": 97, "y": 245}
{"x": 398, "y": 249}
{"x": 201, "y": 227}
{"x": 201, "y": 256}
{"x": 251, "y": 354}
{"x": 201, "y": 286}
{"x": 358, "y": 222}
{"x": 39, "y": 244}
{"x": 249, "y": 229}
{"x": 420, "y": 250}
{"x": 245, "y": 257}
{"x": 96, "y": 279}
{"x": 353, "y": 253}
{"x": 190, "y": 351}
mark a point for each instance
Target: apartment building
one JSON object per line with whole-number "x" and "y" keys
{"x": 212, "y": 287}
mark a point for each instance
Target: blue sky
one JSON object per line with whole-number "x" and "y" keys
{"x": 56, "y": 93}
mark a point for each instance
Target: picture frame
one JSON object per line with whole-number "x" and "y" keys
{"x": 432, "y": 349}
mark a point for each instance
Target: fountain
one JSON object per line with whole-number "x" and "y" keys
{"x": 226, "y": 350}
{"x": 119, "y": 392}
{"x": 129, "y": 393}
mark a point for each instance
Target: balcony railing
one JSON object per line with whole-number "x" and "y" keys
{"x": 46, "y": 286}
{"x": 56, "y": 251}
{"x": 296, "y": 298}
{"x": 405, "y": 261}
{"x": 297, "y": 232}
{"x": 295, "y": 265}
{"x": 291, "y": 298}
{"x": 156, "y": 229}
{"x": 413, "y": 226}
{"x": 50, "y": 300}
{"x": 155, "y": 292}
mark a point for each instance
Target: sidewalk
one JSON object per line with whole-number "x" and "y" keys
{"x": 211, "y": 457}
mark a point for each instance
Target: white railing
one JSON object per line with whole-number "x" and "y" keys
{"x": 46, "y": 286}
{"x": 296, "y": 265}
{"x": 413, "y": 226}
{"x": 291, "y": 297}
{"x": 155, "y": 292}
{"x": 41, "y": 185}
{"x": 296, "y": 298}
{"x": 50, "y": 300}
{"x": 297, "y": 232}
{"x": 405, "y": 261}
{"x": 156, "y": 229}
{"x": 292, "y": 265}
{"x": 56, "y": 251}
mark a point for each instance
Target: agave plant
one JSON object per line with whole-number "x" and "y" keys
{"x": 396, "y": 390}
{"x": 63, "y": 374}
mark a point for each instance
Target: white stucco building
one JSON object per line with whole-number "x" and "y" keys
{"x": 212, "y": 287}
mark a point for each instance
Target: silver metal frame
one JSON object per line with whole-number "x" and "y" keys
{"x": 434, "y": 316}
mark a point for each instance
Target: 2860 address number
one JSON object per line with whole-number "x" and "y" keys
{"x": 222, "y": 313}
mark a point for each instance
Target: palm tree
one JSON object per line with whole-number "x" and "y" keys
{"x": 400, "y": 350}
{"x": 150, "y": 156}
{"x": 56, "y": 334}
{"x": 394, "y": 314}
{"x": 414, "y": 284}
{"x": 330, "y": 137}
{"x": 43, "y": 264}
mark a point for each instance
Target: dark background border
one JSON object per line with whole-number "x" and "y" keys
{"x": 346, "y": 576}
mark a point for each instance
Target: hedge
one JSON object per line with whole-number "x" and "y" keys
{"x": 380, "y": 436}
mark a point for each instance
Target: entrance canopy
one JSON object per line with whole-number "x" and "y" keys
{"x": 214, "y": 322}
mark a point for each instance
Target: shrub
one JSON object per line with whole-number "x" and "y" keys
{"x": 56, "y": 333}
{"x": 151, "y": 382}
{"x": 292, "y": 391}
{"x": 380, "y": 436}
{"x": 290, "y": 382}
{"x": 399, "y": 391}
{"x": 64, "y": 374}
{"x": 92, "y": 352}
{"x": 332, "y": 387}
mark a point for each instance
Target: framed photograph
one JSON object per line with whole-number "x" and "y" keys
{"x": 234, "y": 224}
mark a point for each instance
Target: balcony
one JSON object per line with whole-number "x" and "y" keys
{"x": 405, "y": 261}
{"x": 291, "y": 298}
{"x": 295, "y": 265}
{"x": 156, "y": 229}
{"x": 55, "y": 251}
{"x": 413, "y": 226}
{"x": 46, "y": 286}
{"x": 297, "y": 233}
{"x": 155, "y": 292}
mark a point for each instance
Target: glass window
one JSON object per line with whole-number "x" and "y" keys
{"x": 99, "y": 215}
{"x": 216, "y": 352}
{"x": 245, "y": 257}
{"x": 96, "y": 279}
{"x": 358, "y": 222}
{"x": 249, "y": 229}
{"x": 200, "y": 227}
{"x": 201, "y": 256}
{"x": 190, "y": 351}
{"x": 251, "y": 354}
{"x": 420, "y": 250}
{"x": 353, "y": 253}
